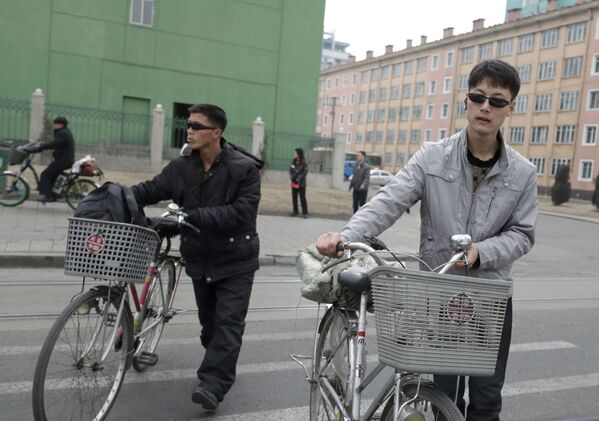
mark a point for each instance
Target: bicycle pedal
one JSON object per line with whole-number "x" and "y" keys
{"x": 148, "y": 358}
{"x": 173, "y": 312}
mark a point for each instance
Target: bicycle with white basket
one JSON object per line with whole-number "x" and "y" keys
{"x": 426, "y": 323}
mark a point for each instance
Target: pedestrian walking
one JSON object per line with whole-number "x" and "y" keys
{"x": 297, "y": 174}
{"x": 63, "y": 144}
{"x": 360, "y": 181}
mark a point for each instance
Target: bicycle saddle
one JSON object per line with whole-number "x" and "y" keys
{"x": 354, "y": 279}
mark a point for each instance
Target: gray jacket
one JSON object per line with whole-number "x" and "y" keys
{"x": 500, "y": 216}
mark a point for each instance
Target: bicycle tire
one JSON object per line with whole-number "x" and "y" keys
{"x": 77, "y": 190}
{"x": 335, "y": 326}
{"x": 154, "y": 312}
{"x": 431, "y": 404}
{"x": 66, "y": 387}
{"x": 13, "y": 190}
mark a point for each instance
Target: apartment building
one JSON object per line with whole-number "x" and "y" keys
{"x": 391, "y": 104}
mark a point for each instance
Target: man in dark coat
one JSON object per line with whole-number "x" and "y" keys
{"x": 64, "y": 156}
{"x": 218, "y": 185}
{"x": 360, "y": 181}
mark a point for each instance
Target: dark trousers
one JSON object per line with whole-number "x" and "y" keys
{"x": 359, "y": 198}
{"x": 485, "y": 392}
{"x": 301, "y": 192}
{"x": 49, "y": 176}
{"x": 222, "y": 307}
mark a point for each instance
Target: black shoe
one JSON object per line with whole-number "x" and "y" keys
{"x": 47, "y": 199}
{"x": 305, "y": 216}
{"x": 206, "y": 398}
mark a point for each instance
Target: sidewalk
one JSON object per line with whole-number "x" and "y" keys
{"x": 35, "y": 235}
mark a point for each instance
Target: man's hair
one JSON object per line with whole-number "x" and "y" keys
{"x": 213, "y": 113}
{"x": 363, "y": 153}
{"x": 61, "y": 120}
{"x": 499, "y": 73}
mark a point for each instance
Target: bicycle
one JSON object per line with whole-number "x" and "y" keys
{"x": 97, "y": 337}
{"x": 73, "y": 185}
{"x": 426, "y": 322}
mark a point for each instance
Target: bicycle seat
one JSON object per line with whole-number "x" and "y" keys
{"x": 354, "y": 279}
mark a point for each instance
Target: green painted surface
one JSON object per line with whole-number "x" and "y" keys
{"x": 252, "y": 57}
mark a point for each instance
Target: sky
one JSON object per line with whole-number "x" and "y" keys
{"x": 372, "y": 24}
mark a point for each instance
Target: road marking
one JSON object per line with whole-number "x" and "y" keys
{"x": 552, "y": 384}
{"x": 541, "y": 346}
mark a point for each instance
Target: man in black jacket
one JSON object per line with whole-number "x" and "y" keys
{"x": 64, "y": 156}
{"x": 218, "y": 185}
{"x": 360, "y": 181}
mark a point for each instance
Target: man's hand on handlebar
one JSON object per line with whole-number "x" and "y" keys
{"x": 472, "y": 257}
{"x": 327, "y": 244}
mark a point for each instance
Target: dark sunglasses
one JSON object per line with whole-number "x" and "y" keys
{"x": 495, "y": 102}
{"x": 198, "y": 126}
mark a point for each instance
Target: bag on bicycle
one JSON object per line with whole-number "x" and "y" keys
{"x": 111, "y": 202}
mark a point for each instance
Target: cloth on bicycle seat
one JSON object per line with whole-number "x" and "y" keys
{"x": 323, "y": 287}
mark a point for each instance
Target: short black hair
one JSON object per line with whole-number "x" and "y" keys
{"x": 215, "y": 114}
{"x": 499, "y": 73}
{"x": 61, "y": 120}
{"x": 363, "y": 153}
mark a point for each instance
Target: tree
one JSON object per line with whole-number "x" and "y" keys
{"x": 48, "y": 130}
{"x": 560, "y": 192}
{"x": 595, "y": 199}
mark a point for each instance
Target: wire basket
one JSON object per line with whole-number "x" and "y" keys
{"x": 16, "y": 156}
{"x": 111, "y": 251}
{"x": 438, "y": 324}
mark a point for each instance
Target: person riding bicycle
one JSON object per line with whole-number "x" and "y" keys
{"x": 471, "y": 183}
{"x": 64, "y": 157}
{"x": 218, "y": 184}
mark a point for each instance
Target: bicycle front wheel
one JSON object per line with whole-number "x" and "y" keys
{"x": 77, "y": 190}
{"x": 13, "y": 190}
{"x": 431, "y": 404}
{"x": 332, "y": 364}
{"x": 155, "y": 312}
{"x": 71, "y": 380}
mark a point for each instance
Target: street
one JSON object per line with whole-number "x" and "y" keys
{"x": 553, "y": 370}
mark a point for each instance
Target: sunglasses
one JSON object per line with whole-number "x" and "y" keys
{"x": 198, "y": 126}
{"x": 495, "y": 102}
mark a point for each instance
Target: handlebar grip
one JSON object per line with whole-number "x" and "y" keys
{"x": 340, "y": 246}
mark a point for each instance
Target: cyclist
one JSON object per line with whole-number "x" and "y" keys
{"x": 219, "y": 185}
{"x": 64, "y": 157}
{"x": 471, "y": 182}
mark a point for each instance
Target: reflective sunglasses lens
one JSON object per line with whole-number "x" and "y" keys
{"x": 499, "y": 102}
{"x": 195, "y": 126}
{"x": 478, "y": 98}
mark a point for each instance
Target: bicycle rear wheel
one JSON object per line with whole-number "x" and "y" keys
{"x": 77, "y": 190}
{"x": 332, "y": 362}
{"x": 430, "y": 405}
{"x": 155, "y": 316}
{"x": 71, "y": 381}
{"x": 13, "y": 190}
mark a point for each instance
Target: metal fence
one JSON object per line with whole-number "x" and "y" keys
{"x": 280, "y": 147}
{"x": 14, "y": 118}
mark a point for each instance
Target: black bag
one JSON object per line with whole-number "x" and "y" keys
{"x": 111, "y": 202}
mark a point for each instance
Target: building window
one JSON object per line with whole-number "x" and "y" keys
{"x": 539, "y": 163}
{"x": 521, "y": 104}
{"x": 564, "y": 134}
{"x": 463, "y": 83}
{"x": 360, "y": 117}
{"x": 576, "y": 32}
{"x": 396, "y": 70}
{"x": 595, "y": 65}
{"x": 348, "y": 138}
{"x": 385, "y": 72}
{"x": 442, "y": 133}
{"x": 589, "y": 137}
{"x": 485, "y": 51}
{"x": 504, "y": 47}
{"x": 558, "y": 162}
{"x": 372, "y": 95}
{"x": 368, "y": 138}
{"x": 362, "y": 97}
{"x": 417, "y": 112}
{"x": 568, "y": 101}
{"x": 402, "y": 136}
{"x": 404, "y": 113}
{"x": 449, "y": 59}
{"x": 406, "y": 90}
{"x": 526, "y": 43}
{"x": 383, "y": 94}
{"x": 374, "y": 75}
{"x": 392, "y": 114}
{"x": 543, "y": 103}
{"x": 142, "y": 12}
{"x": 378, "y": 136}
{"x": 428, "y": 135}
{"x": 467, "y": 55}
{"x": 394, "y": 92}
{"x": 524, "y": 72}
{"x": 408, "y": 67}
{"x": 353, "y": 79}
{"x": 415, "y": 136}
{"x": 352, "y": 99}
{"x": 419, "y": 89}
{"x": 430, "y": 110}
{"x": 336, "y": 82}
{"x": 401, "y": 157}
{"x": 388, "y": 158}
{"x": 370, "y": 116}
{"x": 539, "y": 135}
{"x": 350, "y": 118}
{"x": 546, "y": 70}
{"x": 572, "y": 66}
{"x": 325, "y": 121}
{"x": 516, "y": 135}
{"x": 435, "y": 62}
{"x": 359, "y": 137}
{"x": 432, "y": 87}
{"x": 341, "y": 118}
{"x": 421, "y": 64}
{"x": 380, "y": 115}
{"x": 593, "y": 102}
{"x": 447, "y": 85}
{"x": 460, "y": 109}
{"x": 390, "y": 136}
{"x": 444, "y": 110}
{"x": 364, "y": 77}
{"x": 549, "y": 38}
{"x": 585, "y": 171}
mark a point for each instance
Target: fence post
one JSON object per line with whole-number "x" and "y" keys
{"x": 257, "y": 136}
{"x": 156, "y": 139}
{"x": 36, "y": 117}
{"x": 338, "y": 161}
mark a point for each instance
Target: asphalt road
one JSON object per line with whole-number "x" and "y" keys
{"x": 553, "y": 369}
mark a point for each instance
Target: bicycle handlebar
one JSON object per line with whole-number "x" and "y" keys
{"x": 174, "y": 214}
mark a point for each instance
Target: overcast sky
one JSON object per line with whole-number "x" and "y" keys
{"x": 372, "y": 24}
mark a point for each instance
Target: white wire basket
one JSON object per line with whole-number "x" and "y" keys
{"x": 438, "y": 324}
{"x": 111, "y": 251}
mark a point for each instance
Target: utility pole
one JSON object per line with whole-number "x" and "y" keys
{"x": 333, "y": 105}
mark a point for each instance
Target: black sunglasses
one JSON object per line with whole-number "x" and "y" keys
{"x": 198, "y": 126}
{"x": 495, "y": 102}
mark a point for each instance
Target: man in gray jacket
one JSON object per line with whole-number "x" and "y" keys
{"x": 470, "y": 183}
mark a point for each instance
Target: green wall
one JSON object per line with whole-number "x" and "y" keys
{"x": 252, "y": 57}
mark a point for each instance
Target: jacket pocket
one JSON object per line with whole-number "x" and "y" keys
{"x": 502, "y": 200}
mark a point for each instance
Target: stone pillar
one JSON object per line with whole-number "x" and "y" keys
{"x": 338, "y": 162}
{"x": 157, "y": 139}
{"x": 257, "y": 137}
{"x": 36, "y": 117}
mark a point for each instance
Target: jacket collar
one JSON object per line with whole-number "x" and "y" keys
{"x": 503, "y": 161}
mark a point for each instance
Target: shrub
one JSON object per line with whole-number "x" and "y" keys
{"x": 560, "y": 192}
{"x": 595, "y": 199}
